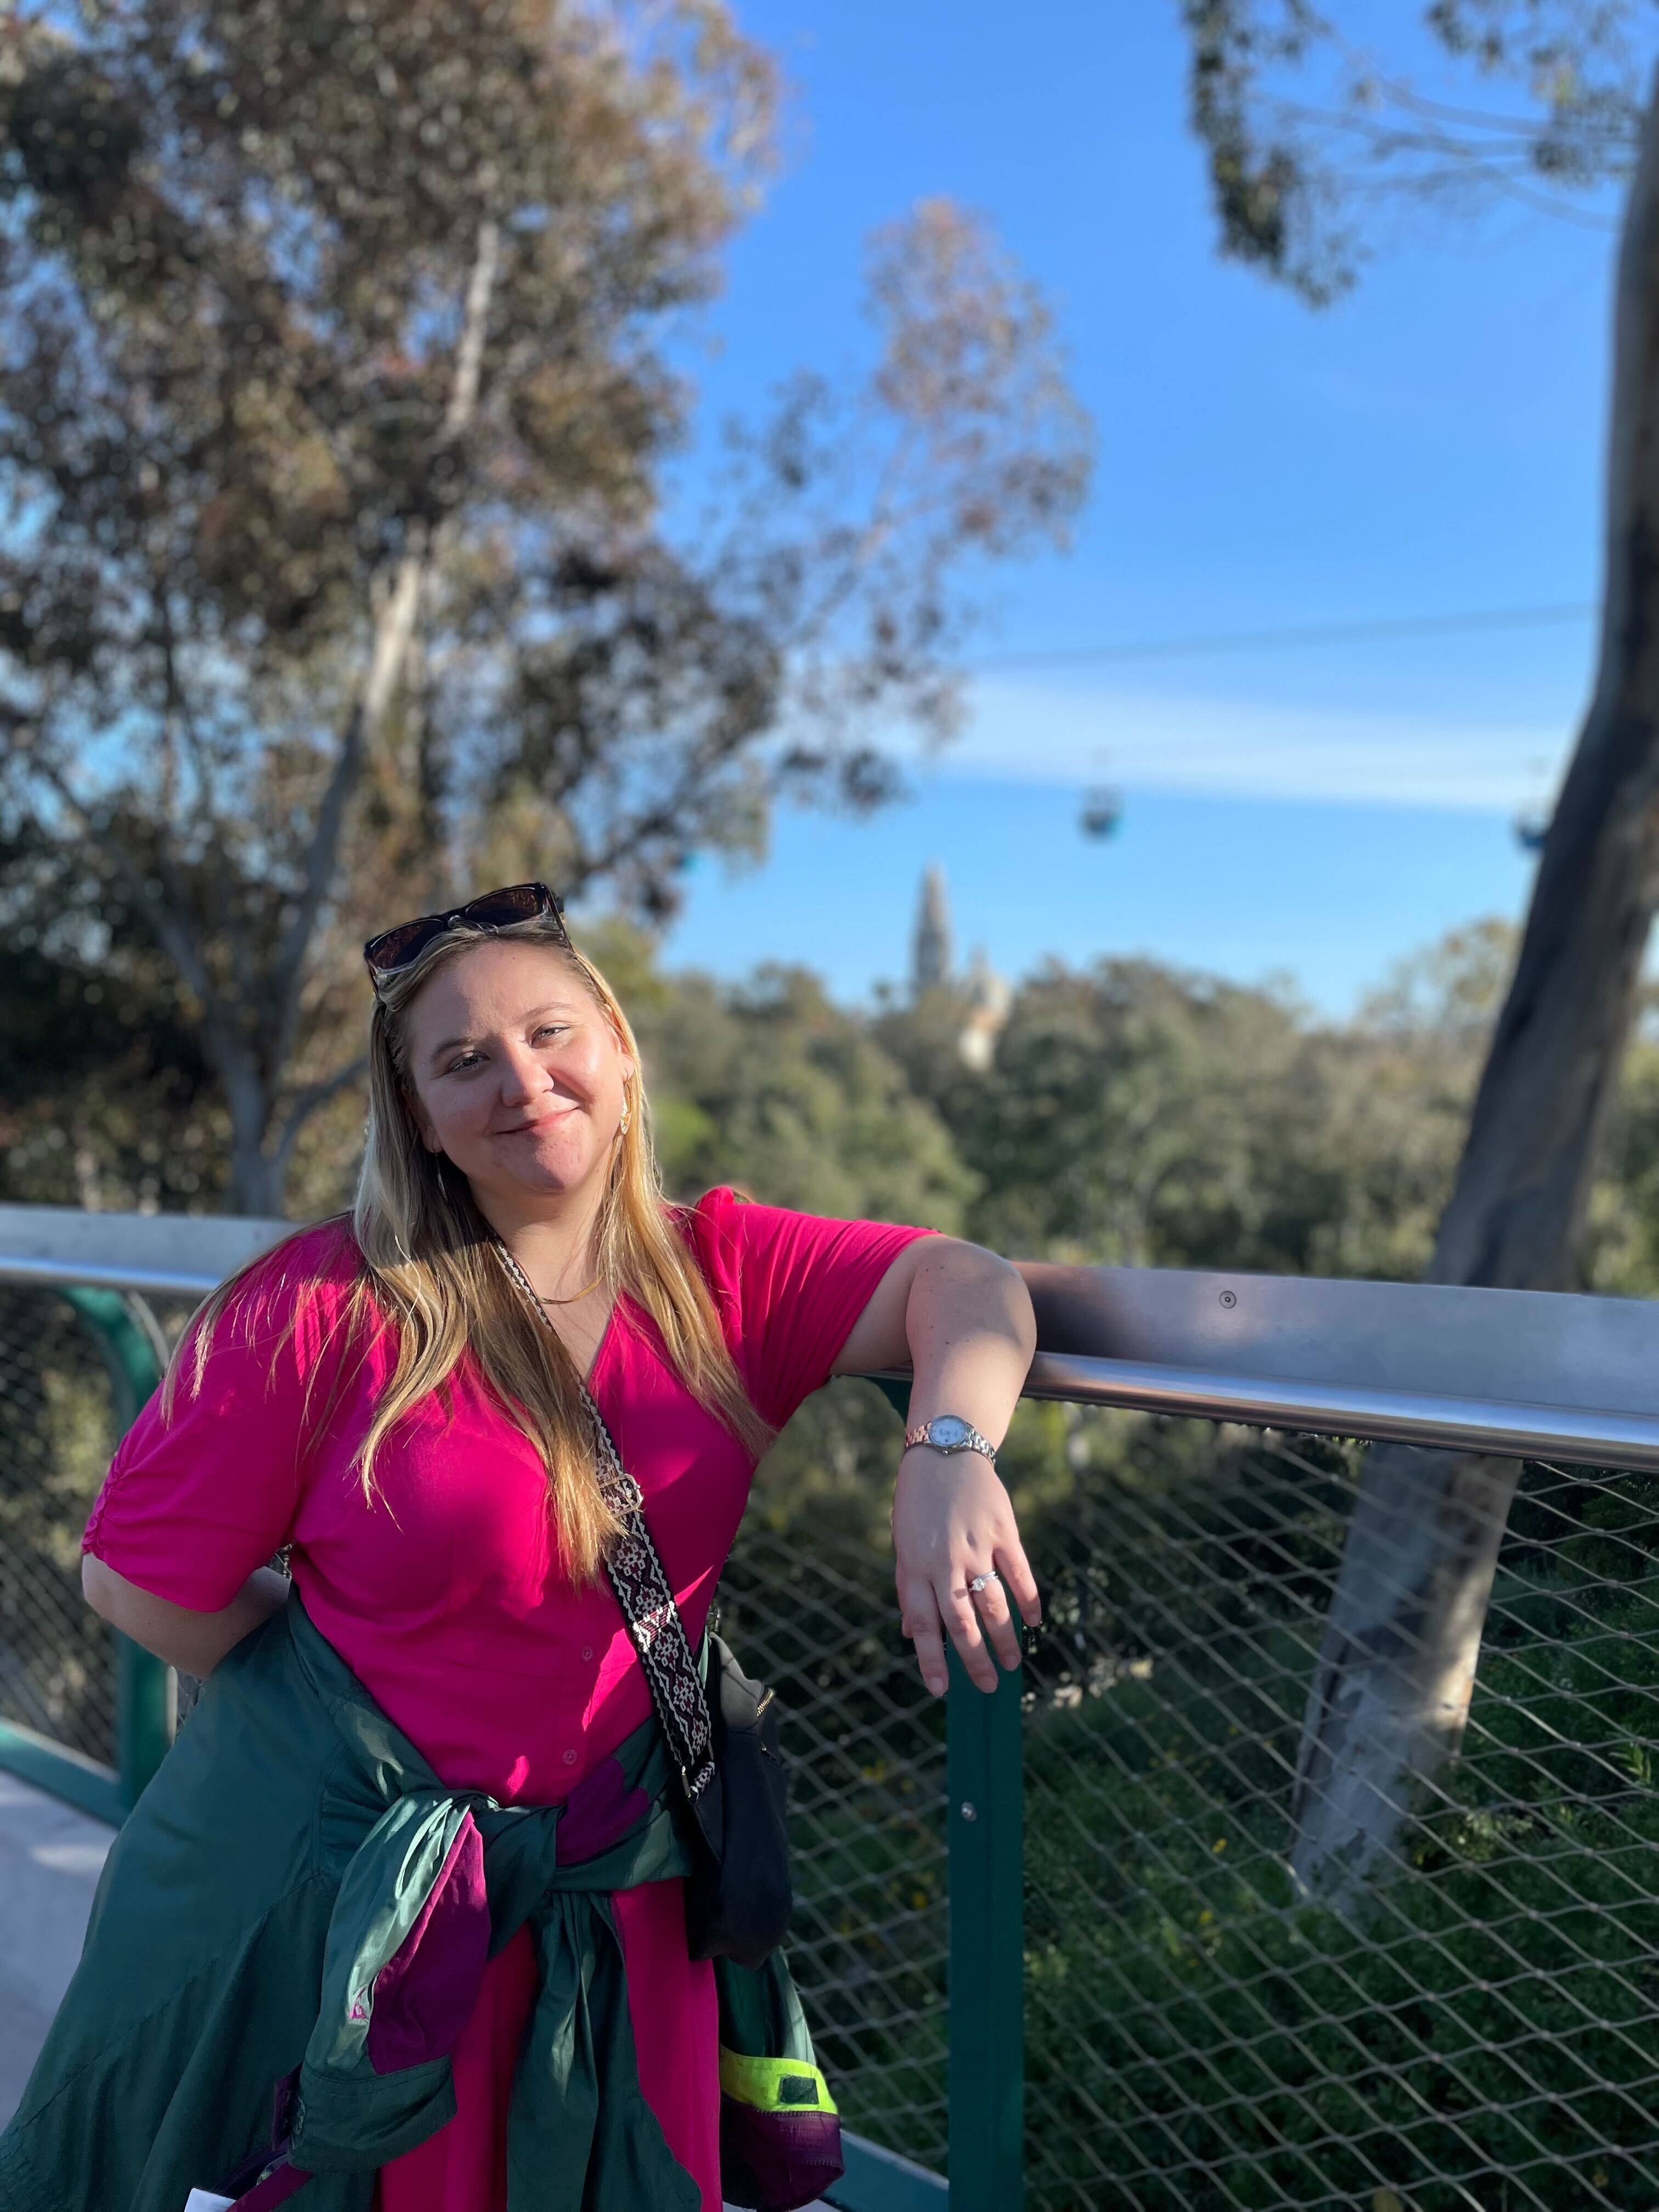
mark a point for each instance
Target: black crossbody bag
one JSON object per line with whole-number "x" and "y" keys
{"x": 722, "y": 1732}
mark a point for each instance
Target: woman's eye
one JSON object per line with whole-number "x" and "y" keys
{"x": 552, "y": 1028}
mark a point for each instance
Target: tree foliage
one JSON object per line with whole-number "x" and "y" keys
{"x": 337, "y": 391}
{"x": 1306, "y": 127}
{"x": 771, "y": 1087}
{"x": 1135, "y": 1113}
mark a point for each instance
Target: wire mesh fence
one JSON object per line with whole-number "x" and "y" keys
{"x": 813, "y": 1614}
{"x": 57, "y": 1429}
{"x": 1483, "y": 2031}
{"x": 1170, "y": 2061}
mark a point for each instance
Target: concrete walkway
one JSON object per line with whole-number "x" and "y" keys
{"x": 50, "y": 1860}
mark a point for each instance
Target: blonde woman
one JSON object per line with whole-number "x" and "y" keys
{"x": 381, "y": 1396}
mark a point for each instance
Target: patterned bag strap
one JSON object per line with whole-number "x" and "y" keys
{"x": 645, "y": 1595}
{"x": 653, "y": 1621}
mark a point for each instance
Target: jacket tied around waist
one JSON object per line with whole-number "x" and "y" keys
{"x": 291, "y": 1932}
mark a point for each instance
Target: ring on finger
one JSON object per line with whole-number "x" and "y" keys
{"x": 983, "y": 1581}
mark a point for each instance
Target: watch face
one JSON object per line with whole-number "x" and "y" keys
{"x": 949, "y": 1430}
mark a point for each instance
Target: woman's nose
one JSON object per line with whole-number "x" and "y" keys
{"x": 523, "y": 1076}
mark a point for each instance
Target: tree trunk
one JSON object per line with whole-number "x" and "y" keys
{"x": 257, "y": 1184}
{"x": 1391, "y": 1690}
{"x": 260, "y": 1152}
{"x": 256, "y": 1176}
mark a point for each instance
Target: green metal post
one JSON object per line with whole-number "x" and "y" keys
{"x": 985, "y": 1790}
{"x": 984, "y": 1783}
{"x": 143, "y": 1683}
{"x": 134, "y": 1373}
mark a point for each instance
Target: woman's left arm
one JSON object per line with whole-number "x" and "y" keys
{"x": 961, "y": 1319}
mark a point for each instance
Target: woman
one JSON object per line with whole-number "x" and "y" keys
{"x": 383, "y": 1398}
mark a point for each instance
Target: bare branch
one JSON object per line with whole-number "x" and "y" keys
{"x": 666, "y": 815}
{"x": 171, "y": 924}
{"x": 468, "y": 357}
{"x": 393, "y": 628}
{"x": 227, "y": 920}
{"x": 1289, "y": 166}
{"x": 309, "y": 1100}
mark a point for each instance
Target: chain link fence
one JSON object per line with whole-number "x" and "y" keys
{"x": 811, "y": 1609}
{"x": 57, "y": 1429}
{"x": 1485, "y": 2034}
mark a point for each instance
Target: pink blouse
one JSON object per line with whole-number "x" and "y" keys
{"x": 448, "y": 1597}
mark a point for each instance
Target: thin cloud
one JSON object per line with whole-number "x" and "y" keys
{"x": 1080, "y": 733}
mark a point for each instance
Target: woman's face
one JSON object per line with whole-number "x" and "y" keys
{"x": 516, "y": 1073}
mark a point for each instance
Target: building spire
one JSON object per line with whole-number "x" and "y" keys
{"x": 931, "y": 960}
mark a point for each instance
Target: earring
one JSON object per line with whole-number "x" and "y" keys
{"x": 627, "y": 1116}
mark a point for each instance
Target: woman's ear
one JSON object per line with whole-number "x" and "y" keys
{"x": 625, "y": 1058}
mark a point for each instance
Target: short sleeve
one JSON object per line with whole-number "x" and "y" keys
{"x": 197, "y": 1498}
{"x": 789, "y": 1287}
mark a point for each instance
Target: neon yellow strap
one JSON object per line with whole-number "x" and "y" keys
{"x": 774, "y": 2085}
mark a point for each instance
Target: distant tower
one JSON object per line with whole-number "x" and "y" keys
{"x": 931, "y": 962}
{"x": 989, "y": 1002}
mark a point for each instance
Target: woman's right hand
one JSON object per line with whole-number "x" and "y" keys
{"x": 952, "y": 1523}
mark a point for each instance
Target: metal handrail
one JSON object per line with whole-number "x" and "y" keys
{"x": 142, "y": 1282}
{"x": 1525, "y": 1374}
{"x": 157, "y": 1255}
{"x": 1480, "y": 1424}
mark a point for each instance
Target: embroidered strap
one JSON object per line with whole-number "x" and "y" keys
{"x": 653, "y": 1621}
{"x": 645, "y": 1595}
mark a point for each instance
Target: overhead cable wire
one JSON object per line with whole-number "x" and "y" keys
{"x": 1270, "y": 640}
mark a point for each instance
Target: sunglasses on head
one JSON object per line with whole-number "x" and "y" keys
{"x": 400, "y": 946}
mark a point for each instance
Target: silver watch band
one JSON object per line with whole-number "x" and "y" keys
{"x": 953, "y": 1435}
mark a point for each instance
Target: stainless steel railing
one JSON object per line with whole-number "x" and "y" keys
{"x": 1525, "y": 1373}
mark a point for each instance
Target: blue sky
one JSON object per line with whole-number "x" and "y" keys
{"x": 1431, "y": 445}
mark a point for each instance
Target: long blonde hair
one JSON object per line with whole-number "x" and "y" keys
{"x": 430, "y": 1266}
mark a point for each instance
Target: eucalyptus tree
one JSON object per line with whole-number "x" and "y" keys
{"x": 1306, "y": 131}
{"x": 338, "y": 408}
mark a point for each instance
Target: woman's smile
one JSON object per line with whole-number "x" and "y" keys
{"x": 542, "y": 1120}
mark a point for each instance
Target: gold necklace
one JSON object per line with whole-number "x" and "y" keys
{"x": 575, "y": 1297}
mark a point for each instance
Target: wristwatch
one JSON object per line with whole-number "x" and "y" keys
{"x": 949, "y": 1432}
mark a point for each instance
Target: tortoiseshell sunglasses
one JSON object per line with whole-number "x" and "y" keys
{"x": 399, "y": 947}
